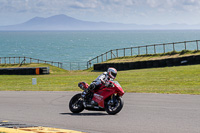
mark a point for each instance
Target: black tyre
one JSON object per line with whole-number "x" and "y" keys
{"x": 115, "y": 107}
{"x": 76, "y": 104}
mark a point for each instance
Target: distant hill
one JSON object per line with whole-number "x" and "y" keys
{"x": 63, "y": 22}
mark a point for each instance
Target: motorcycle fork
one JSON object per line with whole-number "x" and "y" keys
{"x": 113, "y": 99}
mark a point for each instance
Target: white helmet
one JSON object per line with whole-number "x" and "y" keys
{"x": 112, "y": 72}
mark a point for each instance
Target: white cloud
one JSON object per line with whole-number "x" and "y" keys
{"x": 175, "y": 5}
{"x": 126, "y": 11}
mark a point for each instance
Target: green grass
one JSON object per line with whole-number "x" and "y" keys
{"x": 176, "y": 80}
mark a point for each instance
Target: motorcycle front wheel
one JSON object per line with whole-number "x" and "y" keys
{"x": 114, "y": 108}
{"x": 76, "y": 104}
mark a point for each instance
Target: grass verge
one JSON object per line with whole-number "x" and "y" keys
{"x": 176, "y": 80}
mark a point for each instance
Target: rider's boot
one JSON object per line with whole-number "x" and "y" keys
{"x": 87, "y": 91}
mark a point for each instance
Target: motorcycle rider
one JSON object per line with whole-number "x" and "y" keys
{"x": 101, "y": 80}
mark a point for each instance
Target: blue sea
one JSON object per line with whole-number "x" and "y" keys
{"x": 81, "y": 46}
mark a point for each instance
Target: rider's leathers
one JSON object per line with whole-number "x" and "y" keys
{"x": 101, "y": 79}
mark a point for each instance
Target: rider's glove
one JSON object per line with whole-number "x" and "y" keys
{"x": 91, "y": 87}
{"x": 103, "y": 82}
{"x": 107, "y": 84}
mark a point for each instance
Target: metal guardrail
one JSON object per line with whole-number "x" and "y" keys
{"x": 23, "y": 60}
{"x": 144, "y": 50}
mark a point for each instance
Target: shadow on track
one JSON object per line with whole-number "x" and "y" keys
{"x": 84, "y": 114}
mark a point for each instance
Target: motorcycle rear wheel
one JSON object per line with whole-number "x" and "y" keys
{"x": 76, "y": 104}
{"x": 114, "y": 108}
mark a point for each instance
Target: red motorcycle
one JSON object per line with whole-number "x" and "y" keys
{"x": 106, "y": 98}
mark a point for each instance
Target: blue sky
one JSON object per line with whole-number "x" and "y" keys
{"x": 121, "y": 11}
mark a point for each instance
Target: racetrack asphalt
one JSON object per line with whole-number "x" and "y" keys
{"x": 142, "y": 113}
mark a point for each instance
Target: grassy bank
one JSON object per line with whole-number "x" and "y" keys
{"x": 146, "y": 57}
{"x": 178, "y": 80}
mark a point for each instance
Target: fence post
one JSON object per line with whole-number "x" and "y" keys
{"x": 111, "y": 53}
{"x": 24, "y": 60}
{"x": 124, "y": 52}
{"x": 97, "y": 59}
{"x": 102, "y": 58}
{"x": 9, "y": 60}
{"x": 185, "y": 45}
{"x": 117, "y": 52}
{"x": 146, "y": 50}
{"x": 90, "y": 64}
{"x": 106, "y": 56}
{"x": 197, "y": 45}
{"x": 154, "y": 49}
{"x": 131, "y": 51}
{"x": 164, "y": 48}
{"x": 173, "y": 47}
{"x": 138, "y": 50}
{"x": 5, "y": 60}
{"x": 0, "y": 60}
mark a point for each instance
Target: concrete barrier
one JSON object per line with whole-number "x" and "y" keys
{"x": 188, "y": 60}
{"x": 24, "y": 71}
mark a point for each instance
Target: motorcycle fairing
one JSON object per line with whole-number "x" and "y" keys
{"x": 101, "y": 95}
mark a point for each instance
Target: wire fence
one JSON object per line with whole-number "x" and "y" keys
{"x": 28, "y": 60}
{"x": 114, "y": 53}
{"x": 24, "y": 60}
{"x": 145, "y": 50}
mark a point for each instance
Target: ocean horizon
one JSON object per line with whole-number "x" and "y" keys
{"x": 81, "y": 46}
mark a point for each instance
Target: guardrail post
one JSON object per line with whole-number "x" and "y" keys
{"x": 131, "y": 51}
{"x": 154, "y": 49}
{"x": 90, "y": 64}
{"x": 185, "y": 45}
{"x": 111, "y": 54}
{"x": 197, "y": 45}
{"x": 9, "y": 60}
{"x": 146, "y": 50}
{"x": 117, "y": 52}
{"x": 138, "y": 50}
{"x": 164, "y": 48}
{"x": 173, "y": 47}
{"x": 5, "y": 60}
{"x": 0, "y": 60}
{"x": 124, "y": 52}
{"x": 24, "y": 60}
